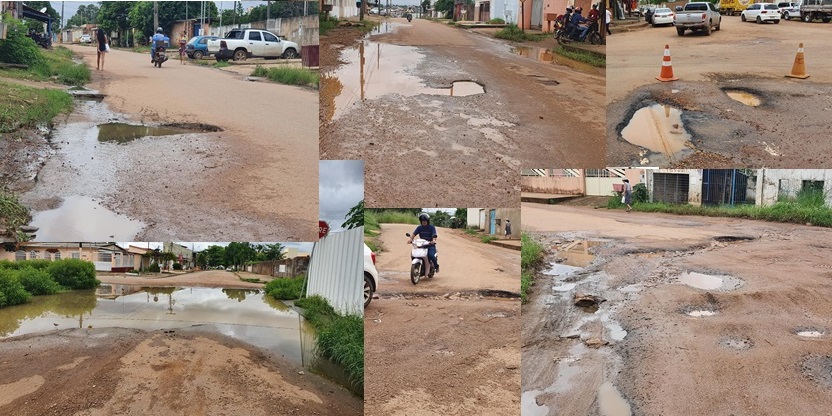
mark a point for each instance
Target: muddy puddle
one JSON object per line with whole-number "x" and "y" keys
{"x": 577, "y": 253}
{"x": 659, "y": 129}
{"x": 700, "y": 313}
{"x": 374, "y": 70}
{"x": 810, "y": 332}
{"x": 124, "y": 133}
{"x": 744, "y": 97}
{"x": 245, "y": 314}
{"x": 81, "y": 218}
{"x": 611, "y": 402}
{"x": 710, "y": 282}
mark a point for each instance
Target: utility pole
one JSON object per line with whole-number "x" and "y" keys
{"x": 155, "y": 16}
{"x": 268, "y": 13}
{"x": 361, "y": 11}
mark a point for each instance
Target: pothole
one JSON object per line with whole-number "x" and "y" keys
{"x": 563, "y": 287}
{"x": 809, "y": 332}
{"x": 466, "y": 88}
{"x": 744, "y": 97}
{"x": 699, "y": 311}
{"x": 125, "y": 133}
{"x": 659, "y": 129}
{"x": 577, "y": 253}
{"x": 80, "y": 218}
{"x": 732, "y": 238}
{"x": 819, "y": 369}
{"x": 611, "y": 402}
{"x": 734, "y": 343}
{"x": 535, "y": 53}
{"x": 710, "y": 282}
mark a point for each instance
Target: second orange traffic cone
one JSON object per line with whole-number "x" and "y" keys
{"x": 667, "y": 67}
{"x": 799, "y": 67}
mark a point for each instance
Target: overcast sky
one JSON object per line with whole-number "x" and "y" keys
{"x": 341, "y": 187}
{"x": 302, "y": 247}
{"x": 71, "y": 7}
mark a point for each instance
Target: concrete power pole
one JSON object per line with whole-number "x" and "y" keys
{"x": 155, "y": 15}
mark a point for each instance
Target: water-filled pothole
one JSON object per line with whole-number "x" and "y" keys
{"x": 732, "y": 238}
{"x": 744, "y": 97}
{"x": 531, "y": 52}
{"x": 124, "y": 133}
{"x": 611, "y": 402}
{"x": 80, "y": 218}
{"x": 658, "y": 128}
{"x": 710, "y": 282}
{"x": 466, "y": 88}
{"x": 736, "y": 343}
{"x": 699, "y": 311}
{"x": 819, "y": 369}
{"x": 577, "y": 253}
{"x": 810, "y": 332}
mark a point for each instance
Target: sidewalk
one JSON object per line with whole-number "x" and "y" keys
{"x": 540, "y": 198}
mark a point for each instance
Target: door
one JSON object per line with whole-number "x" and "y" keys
{"x": 271, "y": 45}
{"x": 255, "y": 43}
{"x": 537, "y": 14}
{"x": 723, "y": 187}
{"x": 492, "y": 221}
{"x": 197, "y": 30}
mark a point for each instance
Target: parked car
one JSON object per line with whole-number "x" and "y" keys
{"x": 241, "y": 44}
{"x": 370, "y": 275}
{"x": 790, "y": 12}
{"x": 374, "y": 10}
{"x": 86, "y": 39}
{"x": 663, "y": 16}
{"x": 197, "y": 47}
{"x": 761, "y": 12}
{"x": 697, "y": 16}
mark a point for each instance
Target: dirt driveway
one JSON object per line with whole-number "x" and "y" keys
{"x": 701, "y": 315}
{"x": 744, "y": 58}
{"x": 398, "y": 106}
{"x": 132, "y": 372}
{"x": 198, "y": 186}
{"x": 444, "y": 347}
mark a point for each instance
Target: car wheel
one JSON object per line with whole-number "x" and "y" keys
{"x": 786, "y": 16}
{"x": 290, "y": 54}
{"x": 826, "y": 20}
{"x": 198, "y": 55}
{"x": 680, "y": 31}
{"x": 708, "y": 28}
{"x": 742, "y": 17}
{"x": 240, "y": 55}
{"x": 759, "y": 20}
{"x": 718, "y": 24}
{"x": 776, "y": 22}
{"x": 368, "y": 290}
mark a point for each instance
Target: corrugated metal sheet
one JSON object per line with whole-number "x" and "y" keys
{"x": 335, "y": 271}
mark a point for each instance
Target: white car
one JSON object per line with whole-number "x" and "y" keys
{"x": 370, "y": 275}
{"x": 374, "y": 10}
{"x": 663, "y": 16}
{"x": 761, "y": 12}
{"x": 789, "y": 13}
{"x": 86, "y": 39}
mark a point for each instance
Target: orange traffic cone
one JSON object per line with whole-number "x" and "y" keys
{"x": 667, "y": 67}
{"x": 799, "y": 67}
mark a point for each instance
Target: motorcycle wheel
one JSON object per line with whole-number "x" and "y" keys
{"x": 415, "y": 271}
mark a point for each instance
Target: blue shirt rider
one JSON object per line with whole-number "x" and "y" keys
{"x": 427, "y": 232}
{"x": 157, "y": 38}
{"x": 575, "y": 21}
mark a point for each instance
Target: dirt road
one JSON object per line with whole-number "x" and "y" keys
{"x": 701, "y": 315}
{"x": 203, "y": 185}
{"x": 744, "y": 58}
{"x": 398, "y": 106}
{"x": 440, "y": 348}
{"x": 207, "y": 278}
{"x": 132, "y": 372}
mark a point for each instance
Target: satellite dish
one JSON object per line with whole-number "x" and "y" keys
{"x": 43, "y": 10}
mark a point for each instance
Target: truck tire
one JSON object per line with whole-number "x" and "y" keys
{"x": 240, "y": 55}
{"x": 807, "y": 18}
{"x": 680, "y": 31}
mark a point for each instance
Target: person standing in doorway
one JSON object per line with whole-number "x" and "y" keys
{"x": 628, "y": 195}
{"x": 103, "y": 48}
{"x": 183, "y": 40}
{"x": 508, "y": 229}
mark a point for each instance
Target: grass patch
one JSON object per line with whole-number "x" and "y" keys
{"x": 513, "y": 33}
{"x": 488, "y": 238}
{"x": 13, "y": 213}
{"x": 220, "y": 64}
{"x": 27, "y": 107}
{"x": 52, "y": 65}
{"x": 340, "y": 338}
{"x": 288, "y": 76}
{"x": 286, "y": 288}
{"x": 585, "y": 57}
{"x": 497, "y": 22}
{"x": 325, "y": 25}
{"x": 531, "y": 256}
{"x": 374, "y": 245}
{"x": 471, "y": 231}
{"x": 372, "y": 219}
{"x": 250, "y": 280}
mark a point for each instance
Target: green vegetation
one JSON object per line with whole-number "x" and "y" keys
{"x": 288, "y": 76}
{"x": 488, "y": 238}
{"x": 373, "y": 217}
{"x": 513, "y": 33}
{"x": 531, "y": 256}
{"x": 74, "y": 273}
{"x": 340, "y": 338}
{"x": 27, "y": 107}
{"x": 250, "y": 279}
{"x": 38, "y": 281}
{"x": 220, "y": 64}
{"x": 236, "y": 254}
{"x": 177, "y": 266}
{"x": 808, "y": 207}
{"x": 581, "y": 56}
{"x": 43, "y": 65}
{"x": 355, "y": 216}
{"x": 21, "y": 280}
{"x": 12, "y": 212}
{"x": 471, "y": 231}
{"x": 326, "y": 24}
{"x": 154, "y": 268}
{"x": 374, "y": 245}
{"x": 288, "y": 288}
{"x": 12, "y": 292}
{"x": 497, "y": 22}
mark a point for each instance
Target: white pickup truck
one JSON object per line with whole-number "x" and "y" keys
{"x": 697, "y": 16}
{"x": 241, "y": 44}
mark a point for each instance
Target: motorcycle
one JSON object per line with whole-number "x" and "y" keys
{"x": 409, "y": 17}
{"x": 160, "y": 57}
{"x": 420, "y": 265}
{"x": 592, "y": 36}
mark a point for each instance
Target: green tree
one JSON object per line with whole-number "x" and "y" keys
{"x": 214, "y": 256}
{"x": 355, "y": 218}
{"x": 113, "y": 17}
{"x": 140, "y": 16}
{"x": 274, "y": 251}
{"x": 425, "y": 6}
{"x": 238, "y": 253}
{"x": 85, "y": 14}
{"x": 441, "y": 219}
{"x": 444, "y": 6}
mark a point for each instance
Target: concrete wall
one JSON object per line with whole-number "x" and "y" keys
{"x": 292, "y": 267}
{"x": 511, "y": 214}
{"x": 473, "y": 219}
{"x": 343, "y": 8}
{"x": 553, "y": 185}
{"x": 771, "y": 183}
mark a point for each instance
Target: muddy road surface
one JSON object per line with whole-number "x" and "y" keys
{"x": 453, "y": 107}
{"x": 696, "y": 316}
{"x": 732, "y": 104}
{"x": 214, "y": 167}
{"x": 132, "y": 372}
{"x": 206, "y": 278}
{"x": 446, "y": 346}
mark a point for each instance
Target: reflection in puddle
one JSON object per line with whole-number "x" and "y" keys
{"x": 577, "y": 253}
{"x": 744, "y": 97}
{"x": 564, "y": 287}
{"x": 123, "y": 132}
{"x": 701, "y": 281}
{"x": 80, "y": 218}
{"x": 658, "y": 128}
{"x": 532, "y": 52}
{"x": 611, "y": 402}
{"x": 561, "y": 270}
{"x": 529, "y": 406}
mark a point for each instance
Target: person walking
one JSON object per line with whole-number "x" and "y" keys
{"x": 183, "y": 40}
{"x": 609, "y": 19}
{"x": 508, "y": 229}
{"x": 628, "y": 195}
{"x": 103, "y": 48}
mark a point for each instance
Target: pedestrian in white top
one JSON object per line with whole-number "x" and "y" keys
{"x": 609, "y": 18}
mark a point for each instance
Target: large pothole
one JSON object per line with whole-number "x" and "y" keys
{"x": 745, "y": 97}
{"x": 659, "y": 129}
{"x": 819, "y": 369}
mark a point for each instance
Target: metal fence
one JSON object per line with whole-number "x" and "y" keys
{"x": 671, "y": 188}
{"x": 724, "y": 187}
{"x": 335, "y": 272}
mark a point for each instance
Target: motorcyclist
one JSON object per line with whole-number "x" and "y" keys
{"x": 566, "y": 19}
{"x": 575, "y": 22}
{"x": 160, "y": 39}
{"x": 427, "y": 232}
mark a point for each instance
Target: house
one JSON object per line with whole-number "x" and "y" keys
{"x": 184, "y": 255}
{"x": 107, "y": 257}
{"x": 539, "y": 14}
{"x": 142, "y": 261}
{"x": 774, "y": 184}
{"x": 578, "y": 182}
{"x": 493, "y": 220}
{"x": 485, "y": 10}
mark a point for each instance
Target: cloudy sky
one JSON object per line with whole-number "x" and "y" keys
{"x": 71, "y": 7}
{"x": 302, "y": 247}
{"x": 341, "y": 187}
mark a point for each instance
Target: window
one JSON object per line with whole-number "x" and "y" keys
{"x": 76, "y": 255}
{"x": 33, "y": 255}
{"x": 20, "y": 255}
{"x": 57, "y": 255}
{"x": 254, "y": 36}
{"x": 235, "y": 34}
{"x": 268, "y": 37}
{"x": 105, "y": 256}
{"x": 203, "y": 41}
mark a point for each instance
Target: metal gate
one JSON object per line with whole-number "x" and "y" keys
{"x": 671, "y": 188}
{"x": 724, "y": 187}
{"x": 492, "y": 221}
{"x": 537, "y": 13}
{"x": 485, "y": 11}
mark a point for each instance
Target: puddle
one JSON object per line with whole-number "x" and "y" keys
{"x": 125, "y": 133}
{"x": 744, "y": 97}
{"x": 700, "y": 313}
{"x": 564, "y": 287}
{"x": 710, "y": 282}
{"x": 658, "y": 128}
{"x": 80, "y": 218}
{"x": 611, "y": 402}
{"x": 531, "y": 52}
{"x": 819, "y": 369}
{"x": 810, "y": 332}
{"x": 577, "y": 253}
{"x": 374, "y": 70}
{"x": 736, "y": 343}
{"x": 617, "y": 333}
{"x": 558, "y": 269}
{"x": 529, "y": 406}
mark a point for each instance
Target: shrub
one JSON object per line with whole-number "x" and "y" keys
{"x": 177, "y": 266}
{"x": 340, "y": 338}
{"x": 17, "y": 48}
{"x": 12, "y": 291}
{"x": 38, "y": 281}
{"x": 289, "y": 76}
{"x": 640, "y": 193}
{"x": 74, "y": 274}
{"x": 317, "y": 308}
{"x": 286, "y": 288}
{"x": 154, "y": 268}
{"x": 497, "y": 21}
